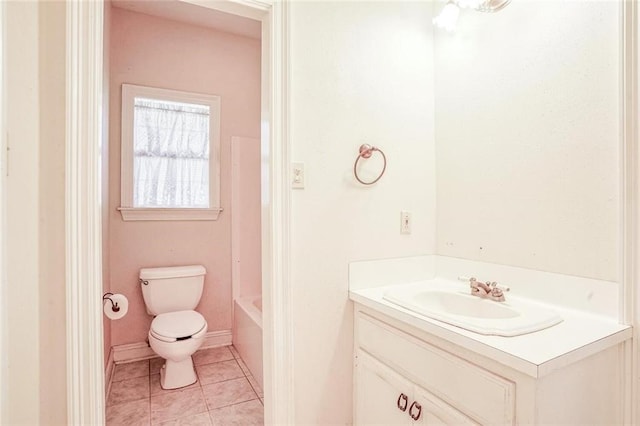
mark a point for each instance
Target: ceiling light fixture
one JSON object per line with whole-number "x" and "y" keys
{"x": 448, "y": 17}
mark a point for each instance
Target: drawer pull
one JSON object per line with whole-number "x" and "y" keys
{"x": 403, "y": 401}
{"x": 418, "y": 407}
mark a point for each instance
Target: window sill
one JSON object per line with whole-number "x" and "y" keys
{"x": 135, "y": 214}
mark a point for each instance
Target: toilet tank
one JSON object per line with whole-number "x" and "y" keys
{"x": 171, "y": 289}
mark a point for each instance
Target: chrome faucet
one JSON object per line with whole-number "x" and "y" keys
{"x": 489, "y": 290}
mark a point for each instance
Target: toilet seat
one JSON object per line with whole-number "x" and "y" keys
{"x": 176, "y": 326}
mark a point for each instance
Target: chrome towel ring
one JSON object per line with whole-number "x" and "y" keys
{"x": 366, "y": 151}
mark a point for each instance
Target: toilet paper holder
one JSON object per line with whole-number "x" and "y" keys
{"x": 114, "y": 305}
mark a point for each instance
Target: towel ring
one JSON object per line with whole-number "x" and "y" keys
{"x": 366, "y": 151}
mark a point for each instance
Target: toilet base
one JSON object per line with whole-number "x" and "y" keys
{"x": 178, "y": 374}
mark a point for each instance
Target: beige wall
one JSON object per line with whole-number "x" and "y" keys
{"x": 52, "y": 217}
{"x": 361, "y": 72}
{"x": 23, "y": 213}
{"x": 156, "y": 52}
{"x": 4, "y": 315}
{"x": 528, "y": 134}
{"x": 35, "y": 213}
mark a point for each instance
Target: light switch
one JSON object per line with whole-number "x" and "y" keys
{"x": 297, "y": 176}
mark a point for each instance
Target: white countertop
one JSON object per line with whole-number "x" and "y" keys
{"x": 536, "y": 354}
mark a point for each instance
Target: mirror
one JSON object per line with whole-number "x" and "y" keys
{"x": 527, "y": 137}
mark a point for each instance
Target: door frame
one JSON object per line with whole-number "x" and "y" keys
{"x": 3, "y": 227}
{"x": 85, "y": 363}
{"x": 630, "y": 194}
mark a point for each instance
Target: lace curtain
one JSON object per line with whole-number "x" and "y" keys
{"x": 171, "y": 154}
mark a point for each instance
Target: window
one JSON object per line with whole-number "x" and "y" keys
{"x": 170, "y": 155}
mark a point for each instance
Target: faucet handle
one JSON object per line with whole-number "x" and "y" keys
{"x": 499, "y": 287}
{"x": 475, "y": 284}
{"x": 497, "y": 292}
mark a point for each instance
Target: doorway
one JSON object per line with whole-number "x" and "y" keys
{"x": 84, "y": 316}
{"x": 182, "y": 81}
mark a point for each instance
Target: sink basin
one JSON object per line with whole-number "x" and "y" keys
{"x": 484, "y": 316}
{"x": 462, "y": 304}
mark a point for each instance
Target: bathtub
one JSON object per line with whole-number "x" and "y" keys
{"x": 247, "y": 333}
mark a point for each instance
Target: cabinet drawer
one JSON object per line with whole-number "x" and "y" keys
{"x": 482, "y": 395}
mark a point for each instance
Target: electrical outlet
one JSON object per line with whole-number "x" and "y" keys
{"x": 297, "y": 173}
{"x": 405, "y": 222}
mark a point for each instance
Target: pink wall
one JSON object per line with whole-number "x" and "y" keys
{"x": 151, "y": 51}
{"x": 246, "y": 226}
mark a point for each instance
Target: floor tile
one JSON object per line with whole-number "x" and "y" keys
{"x": 137, "y": 399}
{"x": 174, "y": 405}
{"x": 219, "y": 371}
{"x": 155, "y": 364}
{"x": 234, "y": 352}
{"x": 201, "y": 419}
{"x": 156, "y": 388}
{"x": 243, "y": 366}
{"x": 129, "y": 413}
{"x": 226, "y": 393}
{"x": 256, "y": 387}
{"x": 211, "y": 355}
{"x": 244, "y": 414}
{"x": 129, "y": 390}
{"x": 131, "y": 370}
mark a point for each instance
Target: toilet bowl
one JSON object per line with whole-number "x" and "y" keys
{"x": 175, "y": 336}
{"x": 177, "y": 330}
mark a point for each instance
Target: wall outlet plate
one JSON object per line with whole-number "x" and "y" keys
{"x": 405, "y": 222}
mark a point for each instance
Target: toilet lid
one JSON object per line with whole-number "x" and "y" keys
{"x": 178, "y": 324}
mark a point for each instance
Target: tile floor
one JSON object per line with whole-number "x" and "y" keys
{"x": 225, "y": 394}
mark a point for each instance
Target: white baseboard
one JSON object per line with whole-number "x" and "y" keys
{"x": 139, "y": 351}
{"x": 108, "y": 372}
{"x": 217, "y": 338}
{"x": 132, "y": 352}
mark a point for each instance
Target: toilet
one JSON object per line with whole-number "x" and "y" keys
{"x": 177, "y": 331}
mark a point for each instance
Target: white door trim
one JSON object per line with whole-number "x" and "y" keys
{"x": 276, "y": 212}
{"x": 630, "y": 194}
{"x": 85, "y": 377}
{"x": 629, "y": 162}
{"x": 629, "y": 199}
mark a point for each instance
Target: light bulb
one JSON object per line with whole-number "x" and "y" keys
{"x": 448, "y": 17}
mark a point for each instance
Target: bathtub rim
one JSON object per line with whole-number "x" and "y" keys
{"x": 247, "y": 305}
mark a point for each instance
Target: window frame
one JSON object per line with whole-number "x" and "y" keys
{"x": 128, "y": 211}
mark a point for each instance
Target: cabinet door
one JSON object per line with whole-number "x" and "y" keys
{"x": 435, "y": 412}
{"x": 380, "y": 393}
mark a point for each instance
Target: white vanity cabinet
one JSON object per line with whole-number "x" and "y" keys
{"x": 384, "y": 397}
{"x": 436, "y": 412}
{"x": 406, "y": 376}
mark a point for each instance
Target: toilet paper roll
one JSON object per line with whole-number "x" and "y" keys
{"x": 119, "y": 300}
